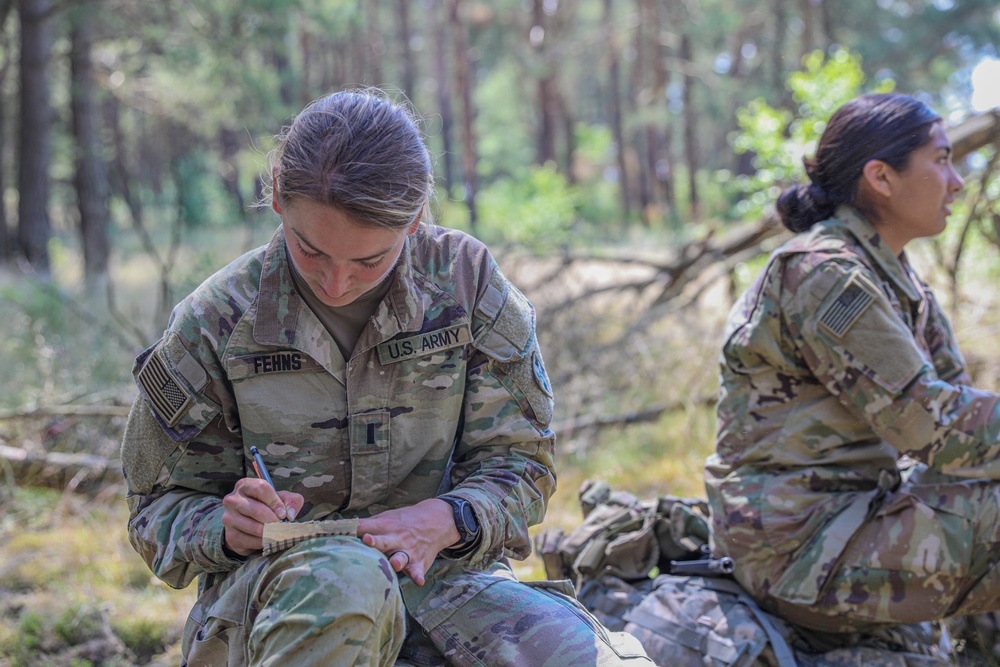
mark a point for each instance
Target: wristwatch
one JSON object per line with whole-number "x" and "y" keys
{"x": 465, "y": 521}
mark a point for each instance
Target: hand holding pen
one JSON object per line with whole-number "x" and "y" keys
{"x": 261, "y": 470}
{"x": 253, "y": 502}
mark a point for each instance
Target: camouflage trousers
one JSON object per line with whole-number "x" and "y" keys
{"x": 930, "y": 550}
{"x": 333, "y": 601}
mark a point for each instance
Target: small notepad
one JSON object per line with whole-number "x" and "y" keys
{"x": 279, "y": 536}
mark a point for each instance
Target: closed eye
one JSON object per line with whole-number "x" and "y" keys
{"x": 309, "y": 254}
{"x": 373, "y": 264}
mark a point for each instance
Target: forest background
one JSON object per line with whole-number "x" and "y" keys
{"x": 620, "y": 157}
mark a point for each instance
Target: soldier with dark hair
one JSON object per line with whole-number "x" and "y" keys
{"x": 855, "y": 475}
{"x": 389, "y": 377}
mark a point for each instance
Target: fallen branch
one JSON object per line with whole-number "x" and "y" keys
{"x": 570, "y": 427}
{"x": 974, "y": 133}
{"x": 66, "y": 411}
{"x": 59, "y": 470}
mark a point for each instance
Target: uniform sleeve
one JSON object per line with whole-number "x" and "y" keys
{"x": 857, "y": 345}
{"x": 947, "y": 358}
{"x": 179, "y": 461}
{"x": 503, "y": 461}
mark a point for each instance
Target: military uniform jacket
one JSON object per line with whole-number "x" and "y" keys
{"x": 445, "y": 391}
{"x": 836, "y": 362}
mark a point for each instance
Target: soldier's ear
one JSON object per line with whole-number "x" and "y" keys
{"x": 274, "y": 191}
{"x": 877, "y": 176}
{"x": 416, "y": 223}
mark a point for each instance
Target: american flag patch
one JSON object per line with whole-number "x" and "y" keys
{"x": 166, "y": 397}
{"x": 845, "y": 310}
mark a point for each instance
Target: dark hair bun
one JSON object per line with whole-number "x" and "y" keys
{"x": 800, "y": 206}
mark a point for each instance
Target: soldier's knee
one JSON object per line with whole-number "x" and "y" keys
{"x": 337, "y": 571}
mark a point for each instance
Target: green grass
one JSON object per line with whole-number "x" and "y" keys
{"x": 68, "y": 576}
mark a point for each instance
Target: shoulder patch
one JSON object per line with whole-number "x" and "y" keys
{"x": 510, "y": 320}
{"x": 167, "y": 397}
{"x": 841, "y": 314}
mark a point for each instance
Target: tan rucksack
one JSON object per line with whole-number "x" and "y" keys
{"x": 626, "y": 560}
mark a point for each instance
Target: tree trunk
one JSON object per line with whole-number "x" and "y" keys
{"x": 406, "y": 52}
{"x": 659, "y": 145}
{"x": 826, "y": 17}
{"x": 230, "y": 142}
{"x": 569, "y": 138}
{"x": 545, "y": 150}
{"x": 444, "y": 95}
{"x": 780, "y": 13}
{"x": 6, "y": 242}
{"x": 464, "y": 85}
{"x": 90, "y": 179}
{"x": 690, "y": 126}
{"x": 641, "y": 94}
{"x": 121, "y": 172}
{"x": 35, "y": 150}
{"x": 615, "y": 106}
{"x": 376, "y": 43}
{"x": 6, "y": 251}
{"x": 808, "y": 11}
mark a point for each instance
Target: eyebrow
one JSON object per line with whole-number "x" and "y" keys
{"x": 305, "y": 241}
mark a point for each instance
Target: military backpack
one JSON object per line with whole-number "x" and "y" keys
{"x": 644, "y": 566}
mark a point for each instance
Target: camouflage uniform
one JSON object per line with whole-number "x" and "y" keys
{"x": 445, "y": 391}
{"x": 838, "y": 368}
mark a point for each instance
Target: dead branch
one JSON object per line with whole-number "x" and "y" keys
{"x": 973, "y": 133}
{"x": 66, "y": 411}
{"x": 571, "y": 427}
{"x": 59, "y": 470}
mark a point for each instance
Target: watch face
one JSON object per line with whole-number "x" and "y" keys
{"x": 470, "y": 519}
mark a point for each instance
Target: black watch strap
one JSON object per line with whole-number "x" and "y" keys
{"x": 465, "y": 521}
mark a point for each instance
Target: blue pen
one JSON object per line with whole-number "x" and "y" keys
{"x": 261, "y": 470}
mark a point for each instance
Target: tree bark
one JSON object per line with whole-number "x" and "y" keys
{"x": 545, "y": 145}
{"x": 6, "y": 242}
{"x": 808, "y": 10}
{"x": 35, "y": 150}
{"x": 90, "y": 179}
{"x": 780, "y": 12}
{"x": 464, "y": 85}
{"x": 444, "y": 95}
{"x": 376, "y": 43}
{"x": 6, "y": 251}
{"x": 406, "y": 52}
{"x": 229, "y": 140}
{"x": 690, "y": 126}
{"x": 659, "y": 144}
{"x": 615, "y": 106}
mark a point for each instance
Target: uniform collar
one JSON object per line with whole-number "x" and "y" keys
{"x": 896, "y": 268}
{"x": 402, "y": 309}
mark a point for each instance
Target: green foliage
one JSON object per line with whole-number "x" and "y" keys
{"x": 505, "y": 149}
{"x": 192, "y": 193}
{"x": 78, "y": 624}
{"x": 536, "y": 211}
{"x": 144, "y": 636}
{"x": 45, "y": 332}
{"x": 780, "y": 139}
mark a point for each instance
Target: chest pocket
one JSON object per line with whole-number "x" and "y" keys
{"x": 295, "y": 413}
{"x": 370, "y": 457}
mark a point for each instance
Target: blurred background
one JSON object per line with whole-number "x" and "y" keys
{"x": 621, "y": 158}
